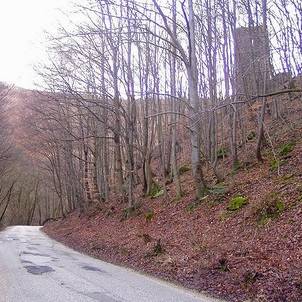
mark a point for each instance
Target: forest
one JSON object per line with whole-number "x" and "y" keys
{"x": 131, "y": 85}
{"x": 151, "y": 106}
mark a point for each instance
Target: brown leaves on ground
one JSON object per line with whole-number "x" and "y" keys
{"x": 233, "y": 255}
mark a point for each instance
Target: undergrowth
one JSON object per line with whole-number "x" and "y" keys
{"x": 271, "y": 208}
{"x": 236, "y": 203}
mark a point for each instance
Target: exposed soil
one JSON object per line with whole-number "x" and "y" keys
{"x": 250, "y": 254}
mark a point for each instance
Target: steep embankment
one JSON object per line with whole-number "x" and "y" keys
{"x": 249, "y": 247}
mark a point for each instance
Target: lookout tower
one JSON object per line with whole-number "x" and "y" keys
{"x": 252, "y": 61}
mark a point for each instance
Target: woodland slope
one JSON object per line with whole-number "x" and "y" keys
{"x": 241, "y": 242}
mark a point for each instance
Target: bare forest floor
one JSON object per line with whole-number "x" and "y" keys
{"x": 244, "y": 249}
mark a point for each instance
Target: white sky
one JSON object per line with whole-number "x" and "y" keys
{"x": 22, "y": 25}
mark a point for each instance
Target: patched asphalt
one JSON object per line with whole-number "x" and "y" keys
{"x": 35, "y": 268}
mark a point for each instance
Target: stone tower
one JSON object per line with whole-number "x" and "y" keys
{"x": 252, "y": 61}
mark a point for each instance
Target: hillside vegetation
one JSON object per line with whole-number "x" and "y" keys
{"x": 241, "y": 241}
{"x": 166, "y": 136}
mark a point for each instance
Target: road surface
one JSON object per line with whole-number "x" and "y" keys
{"x": 35, "y": 268}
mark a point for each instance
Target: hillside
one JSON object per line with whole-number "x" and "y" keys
{"x": 241, "y": 242}
{"x": 162, "y": 136}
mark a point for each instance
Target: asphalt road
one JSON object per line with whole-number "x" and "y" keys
{"x": 35, "y": 268}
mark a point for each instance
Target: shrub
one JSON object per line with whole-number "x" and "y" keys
{"x": 223, "y": 265}
{"x": 285, "y": 149}
{"x": 193, "y": 205}
{"x": 274, "y": 165}
{"x": 159, "y": 193}
{"x": 272, "y": 208}
{"x": 236, "y": 166}
{"x": 222, "y": 152}
{"x": 236, "y": 203}
{"x": 149, "y": 215}
{"x": 131, "y": 211}
{"x": 251, "y": 135}
{"x": 250, "y": 277}
{"x": 183, "y": 169}
{"x": 156, "y": 190}
{"x": 158, "y": 248}
{"x": 218, "y": 189}
{"x": 147, "y": 238}
{"x": 218, "y": 193}
{"x": 287, "y": 177}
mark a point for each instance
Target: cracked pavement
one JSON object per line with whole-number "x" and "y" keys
{"x": 35, "y": 268}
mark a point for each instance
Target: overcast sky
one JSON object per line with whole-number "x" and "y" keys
{"x": 22, "y": 25}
